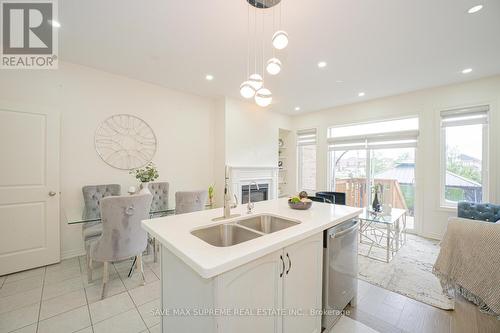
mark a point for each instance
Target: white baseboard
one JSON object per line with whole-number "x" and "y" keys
{"x": 72, "y": 253}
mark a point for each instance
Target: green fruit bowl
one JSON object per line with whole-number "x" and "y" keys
{"x": 300, "y": 205}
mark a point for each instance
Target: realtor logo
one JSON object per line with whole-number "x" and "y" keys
{"x": 29, "y": 34}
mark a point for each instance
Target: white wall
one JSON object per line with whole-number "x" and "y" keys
{"x": 252, "y": 134}
{"x": 426, "y": 104}
{"x": 182, "y": 123}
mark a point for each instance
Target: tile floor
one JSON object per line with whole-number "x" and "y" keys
{"x": 57, "y": 298}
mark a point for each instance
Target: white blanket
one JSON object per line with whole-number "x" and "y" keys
{"x": 469, "y": 263}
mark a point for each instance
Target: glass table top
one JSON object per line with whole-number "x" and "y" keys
{"x": 77, "y": 216}
{"x": 395, "y": 215}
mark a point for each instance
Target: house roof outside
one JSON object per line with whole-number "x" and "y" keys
{"x": 404, "y": 173}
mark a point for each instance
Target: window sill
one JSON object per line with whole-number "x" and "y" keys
{"x": 449, "y": 209}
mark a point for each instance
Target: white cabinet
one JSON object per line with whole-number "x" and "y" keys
{"x": 269, "y": 293}
{"x": 256, "y": 285}
{"x": 302, "y": 285}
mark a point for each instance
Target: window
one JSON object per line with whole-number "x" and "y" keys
{"x": 306, "y": 160}
{"x": 464, "y": 142}
{"x": 375, "y": 155}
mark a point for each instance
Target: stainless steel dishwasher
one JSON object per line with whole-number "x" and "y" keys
{"x": 340, "y": 270}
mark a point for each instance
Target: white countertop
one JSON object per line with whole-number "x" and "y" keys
{"x": 174, "y": 232}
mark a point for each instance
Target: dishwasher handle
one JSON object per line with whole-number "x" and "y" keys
{"x": 343, "y": 232}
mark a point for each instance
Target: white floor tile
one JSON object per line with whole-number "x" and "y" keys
{"x": 348, "y": 325}
{"x": 25, "y": 274}
{"x": 66, "y": 322}
{"x": 135, "y": 280}
{"x": 155, "y": 329}
{"x": 27, "y": 329}
{"x": 145, "y": 293}
{"x": 63, "y": 287}
{"x": 110, "y": 307}
{"x": 66, "y": 264}
{"x": 127, "y": 322}
{"x": 61, "y": 275}
{"x": 115, "y": 287}
{"x": 86, "y": 330}
{"x": 19, "y": 300}
{"x": 18, "y": 318}
{"x": 148, "y": 314}
{"x": 60, "y": 304}
{"x": 20, "y": 286}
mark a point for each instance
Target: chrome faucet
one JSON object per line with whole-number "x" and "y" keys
{"x": 250, "y": 204}
{"x": 228, "y": 202}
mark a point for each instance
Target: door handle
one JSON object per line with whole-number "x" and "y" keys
{"x": 52, "y": 193}
{"x": 289, "y": 264}
{"x": 283, "y": 267}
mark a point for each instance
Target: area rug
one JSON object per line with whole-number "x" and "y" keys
{"x": 409, "y": 273}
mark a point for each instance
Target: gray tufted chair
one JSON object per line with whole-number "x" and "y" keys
{"x": 187, "y": 202}
{"x": 122, "y": 235}
{"x": 92, "y": 195}
{"x": 160, "y": 196}
{"x": 480, "y": 212}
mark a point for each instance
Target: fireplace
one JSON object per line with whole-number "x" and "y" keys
{"x": 260, "y": 194}
{"x": 265, "y": 176}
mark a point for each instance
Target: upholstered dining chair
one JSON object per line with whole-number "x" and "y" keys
{"x": 159, "y": 190}
{"x": 122, "y": 236}
{"x": 191, "y": 201}
{"x": 92, "y": 196}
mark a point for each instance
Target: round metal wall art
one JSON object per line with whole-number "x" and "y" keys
{"x": 125, "y": 142}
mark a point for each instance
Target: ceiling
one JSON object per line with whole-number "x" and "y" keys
{"x": 380, "y": 47}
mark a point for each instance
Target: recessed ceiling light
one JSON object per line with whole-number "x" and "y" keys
{"x": 361, "y": 94}
{"x": 209, "y": 77}
{"x": 55, "y": 24}
{"x": 467, "y": 71}
{"x": 339, "y": 81}
{"x": 297, "y": 108}
{"x": 322, "y": 64}
{"x": 475, "y": 9}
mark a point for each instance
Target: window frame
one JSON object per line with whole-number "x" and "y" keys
{"x": 299, "y": 159}
{"x": 451, "y": 205}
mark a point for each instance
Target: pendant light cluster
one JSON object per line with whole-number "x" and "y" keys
{"x": 254, "y": 87}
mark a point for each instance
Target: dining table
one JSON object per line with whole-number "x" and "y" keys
{"x": 84, "y": 216}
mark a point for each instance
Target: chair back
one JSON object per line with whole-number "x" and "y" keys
{"x": 122, "y": 234}
{"x": 92, "y": 195}
{"x": 192, "y": 201}
{"x": 337, "y": 198}
{"x": 159, "y": 191}
{"x": 319, "y": 199}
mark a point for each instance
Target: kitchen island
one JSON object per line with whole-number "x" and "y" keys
{"x": 259, "y": 272}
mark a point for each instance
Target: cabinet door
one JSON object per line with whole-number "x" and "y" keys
{"x": 255, "y": 286}
{"x": 303, "y": 285}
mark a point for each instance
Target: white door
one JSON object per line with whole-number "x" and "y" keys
{"x": 29, "y": 187}
{"x": 253, "y": 286}
{"x": 302, "y": 285}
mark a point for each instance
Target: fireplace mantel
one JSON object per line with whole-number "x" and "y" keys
{"x": 244, "y": 175}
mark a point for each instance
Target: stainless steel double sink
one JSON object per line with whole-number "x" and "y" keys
{"x": 242, "y": 230}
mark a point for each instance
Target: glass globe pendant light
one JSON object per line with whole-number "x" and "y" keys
{"x": 280, "y": 40}
{"x": 263, "y": 97}
{"x": 273, "y": 66}
{"x": 247, "y": 90}
{"x": 256, "y": 81}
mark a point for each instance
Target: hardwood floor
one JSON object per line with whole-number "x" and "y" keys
{"x": 388, "y": 312}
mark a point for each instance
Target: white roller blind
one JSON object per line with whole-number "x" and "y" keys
{"x": 465, "y": 116}
{"x": 401, "y": 139}
{"x": 306, "y": 137}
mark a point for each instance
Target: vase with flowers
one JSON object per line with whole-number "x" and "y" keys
{"x": 145, "y": 175}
